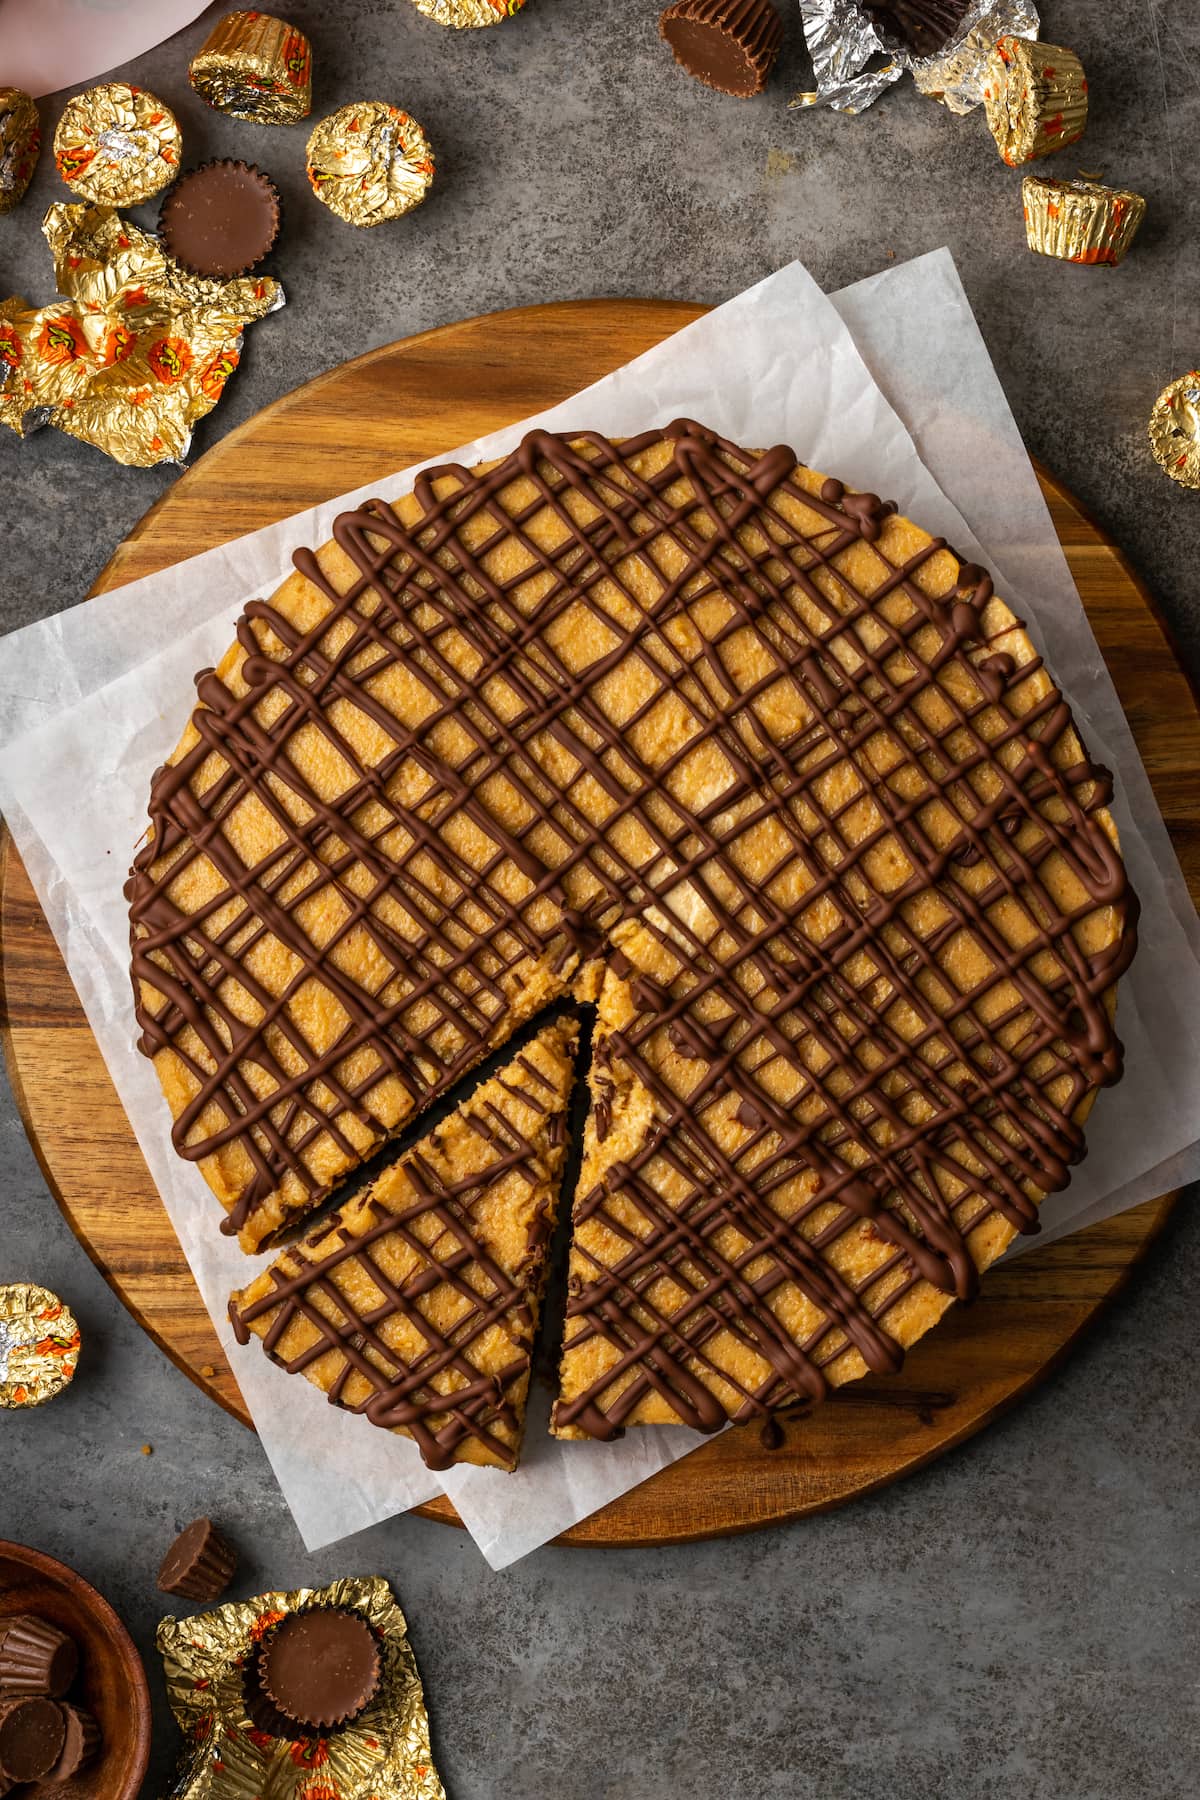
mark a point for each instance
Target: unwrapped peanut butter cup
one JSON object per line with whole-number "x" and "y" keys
{"x": 320, "y": 1668}
{"x": 32, "y": 1735}
{"x": 200, "y": 1563}
{"x": 925, "y": 26}
{"x": 35, "y": 1657}
{"x": 220, "y": 219}
{"x": 730, "y": 45}
{"x": 81, "y": 1745}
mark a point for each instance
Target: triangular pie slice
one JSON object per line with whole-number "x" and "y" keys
{"x": 417, "y": 1303}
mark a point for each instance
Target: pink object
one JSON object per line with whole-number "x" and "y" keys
{"x": 65, "y": 43}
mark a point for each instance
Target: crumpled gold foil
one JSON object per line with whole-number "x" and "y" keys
{"x": 464, "y": 14}
{"x": 39, "y": 1345}
{"x": 20, "y": 142}
{"x": 1175, "y": 429}
{"x": 1080, "y": 221}
{"x": 135, "y": 352}
{"x": 255, "y": 67}
{"x": 117, "y": 144}
{"x": 369, "y": 162}
{"x": 384, "y": 1754}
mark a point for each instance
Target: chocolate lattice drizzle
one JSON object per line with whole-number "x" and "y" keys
{"x": 670, "y": 714}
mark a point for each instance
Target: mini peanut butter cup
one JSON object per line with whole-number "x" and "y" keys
{"x": 35, "y": 1657}
{"x": 730, "y": 45}
{"x": 81, "y": 1744}
{"x": 32, "y": 1735}
{"x": 320, "y": 1668}
{"x": 925, "y": 26}
{"x": 220, "y": 219}
{"x": 200, "y": 1563}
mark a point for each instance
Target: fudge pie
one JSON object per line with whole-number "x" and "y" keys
{"x": 417, "y": 1303}
{"x": 733, "y": 753}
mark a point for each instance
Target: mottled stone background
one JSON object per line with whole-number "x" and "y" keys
{"x": 1020, "y": 1619}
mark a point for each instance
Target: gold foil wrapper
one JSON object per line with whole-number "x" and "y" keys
{"x": 369, "y": 162}
{"x": 1175, "y": 429}
{"x": 384, "y": 1754}
{"x": 1036, "y": 99}
{"x": 1080, "y": 221}
{"x": 135, "y": 351}
{"x": 255, "y": 67}
{"x": 39, "y": 1339}
{"x": 465, "y": 15}
{"x": 20, "y": 143}
{"x": 117, "y": 145}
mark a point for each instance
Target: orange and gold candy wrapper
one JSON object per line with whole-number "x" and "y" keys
{"x": 369, "y": 162}
{"x": 466, "y": 14}
{"x": 1175, "y": 429}
{"x": 1036, "y": 99}
{"x": 384, "y": 1754}
{"x": 1080, "y": 221}
{"x": 20, "y": 142}
{"x": 39, "y": 1345}
{"x": 255, "y": 67}
{"x": 135, "y": 352}
{"x": 117, "y": 145}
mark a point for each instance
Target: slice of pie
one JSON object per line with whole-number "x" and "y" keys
{"x": 417, "y": 1303}
{"x": 758, "y": 763}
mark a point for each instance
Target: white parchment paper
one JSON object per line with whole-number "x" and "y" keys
{"x": 891, "y": 387}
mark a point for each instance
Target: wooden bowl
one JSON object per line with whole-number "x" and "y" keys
{"x": 111, "y": 1682}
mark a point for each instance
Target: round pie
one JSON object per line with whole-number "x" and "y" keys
{"x": 739, "y": 756}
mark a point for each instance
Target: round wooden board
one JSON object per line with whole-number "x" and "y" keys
{"x": 396, "y": 406}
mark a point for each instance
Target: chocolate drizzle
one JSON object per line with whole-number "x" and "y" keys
{"x": 927, "y": 955}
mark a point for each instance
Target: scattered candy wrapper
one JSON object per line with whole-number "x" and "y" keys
{"x": 384, "y": 1754}
{"x": 844, "y": 44}
{"x": 1175, "y": 429}
{"x": 135, "y": 351}
{"x": 39, "y": 1345}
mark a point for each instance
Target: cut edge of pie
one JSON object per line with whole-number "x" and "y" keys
{"x": 417, "y": 1303}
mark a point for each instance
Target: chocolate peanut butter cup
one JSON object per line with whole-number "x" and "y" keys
{"x": 729, "y": 45}
{"x": 220, "y": 219}
{"x": 200, "y": 1563}
{"x": 320, "y": 1668}
{"x": 81, "y": 1745}
{"x": 35, "y": 1657}
{"x": 32, "y": 1735}
{"x": 925, "y": 26}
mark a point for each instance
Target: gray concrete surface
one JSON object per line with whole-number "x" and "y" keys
{"x": 1021, "y": 1619}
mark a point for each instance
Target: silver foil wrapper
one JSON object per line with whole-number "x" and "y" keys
{"x": 852, "y": 65}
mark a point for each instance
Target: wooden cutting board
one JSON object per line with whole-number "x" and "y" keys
{"x": 396, "y": 406}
